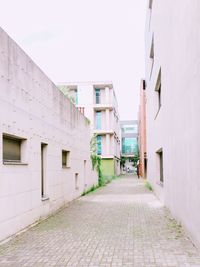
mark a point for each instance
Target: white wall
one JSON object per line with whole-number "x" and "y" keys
{"x": 175, "y": 26}
{"x": 33, "y": 108}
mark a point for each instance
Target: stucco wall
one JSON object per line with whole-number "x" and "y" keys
{"x": 31, "y": 107}
{"x": 175, "y": 128}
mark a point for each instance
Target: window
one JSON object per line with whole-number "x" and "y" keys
{"x": 150, "y": 8}
{"x": 129, "y": 146}
{"x": 158, "y": 90}
{"x": 99, "y": 145}
{"x": 98, "y": 120}
{"x": 160, "y": 158}
{"x": 152, "y": 56}
{"x": 97, "y": 96}
{"x": 76, "y": 181}
{"x": 144, "y": 85}
{"x": 76, "y": 97}
{"x": 44, "y": 171}
{"x": 65, "y": 159}
{"x": 12, "y": 149}
{"x": 150, "y": 4}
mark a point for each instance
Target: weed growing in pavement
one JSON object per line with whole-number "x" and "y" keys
{"x": 91, "y": 189}
{"x": 148, "y": 186}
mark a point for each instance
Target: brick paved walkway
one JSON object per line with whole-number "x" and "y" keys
{"x": 122, "y": 224}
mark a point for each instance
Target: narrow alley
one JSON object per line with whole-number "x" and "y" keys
{"x": 121, "y": 224}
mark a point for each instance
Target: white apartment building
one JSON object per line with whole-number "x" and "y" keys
{"x": 44, "y": 143}
{"x": 173, "y": 107}
{"x": 97, "y": 101}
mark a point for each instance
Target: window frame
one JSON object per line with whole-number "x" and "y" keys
{"x": 160, "y": 163}
{"x": 151, "y": 56}
{"x": 97, "y": 96}
{"x": 76, "y": 181}
{"x": 98, "y": 120}
{"x": 158, "y": 90}
{"x": 99, "y": 142}
{"x": 66, "y": 154}
{"x": 22, "y": 149}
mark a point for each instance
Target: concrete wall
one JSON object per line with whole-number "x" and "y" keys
{"x": 175, "y": 128}
{"x": 34, "y": 109}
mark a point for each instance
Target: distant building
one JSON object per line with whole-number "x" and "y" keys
{"x": 142, "y": 130}
{"x": 97, "y": 101}
{"x": 173, "y": 108}
{"x": 129, "y": 143}
{"x": 44, "y": 145}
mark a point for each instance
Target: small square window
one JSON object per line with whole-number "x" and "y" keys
{"x": 12, "y": 149}
{"x": 65, "y": 159}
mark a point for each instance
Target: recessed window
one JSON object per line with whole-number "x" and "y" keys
{"x": 44, "y": 147}
{"x": 98, "y": 96}
{"x": 98, "y": 120}
{"x": 99, "y": 145}
{"x": 152, "y": 56}
{"x": 158, "y": 90}
{"x": 76, "y": 181}
{"x": 150, "y": 8}
{"x": 150, "y": 4}
{"x": 160, "y": 161}
{"x": 65, "y": 159}
{"x": 12, "y": 149}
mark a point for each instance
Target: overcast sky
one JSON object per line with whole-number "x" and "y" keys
{"x": 83, "y": 40}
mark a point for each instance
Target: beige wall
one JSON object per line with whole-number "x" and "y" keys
{"x": 175, "y": 128}
{"x": 33, "y": 108}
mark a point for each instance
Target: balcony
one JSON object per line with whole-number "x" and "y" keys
{"x": 103, "y": 106}
{"x": 103, "y": 131}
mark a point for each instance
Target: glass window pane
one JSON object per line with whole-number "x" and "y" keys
{"x": 98, "y": 120}
{"x": 99, "y": 145}
{"x": 11, "y": 149}
{"x": 129, "y": 146}
{"x": 98, "y": 96}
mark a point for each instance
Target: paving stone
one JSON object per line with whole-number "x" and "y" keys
{"x": 122, "y": 224}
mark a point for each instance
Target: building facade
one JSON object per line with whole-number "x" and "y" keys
{"x": 44, "y": 143}
{"x": 173, "y": 108}
{"x": 97, "y": 101}
{"x": 142, "y": 131}
{"x": 129, "y": 143}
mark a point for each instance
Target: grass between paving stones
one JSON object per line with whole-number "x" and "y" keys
{"x": 104, "y": 182}
{"x": 175, "y": 227}
{"x": 148, "y": 186}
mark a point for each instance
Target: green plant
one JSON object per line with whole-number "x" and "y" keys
{"x": 122, "y": 162}
{"x": 135, "y": 159}
{"x": 66, "y": 91}
{"x": 91, "y": 189}
{"x": 96, "y": 160}
{"x": 148, "y": 186}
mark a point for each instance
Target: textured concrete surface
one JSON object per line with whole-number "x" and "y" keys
{"x": 35, "y": 112}
{"x": 122, "y": 224}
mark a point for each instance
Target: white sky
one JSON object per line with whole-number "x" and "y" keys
{"x": 83, "y": 40}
